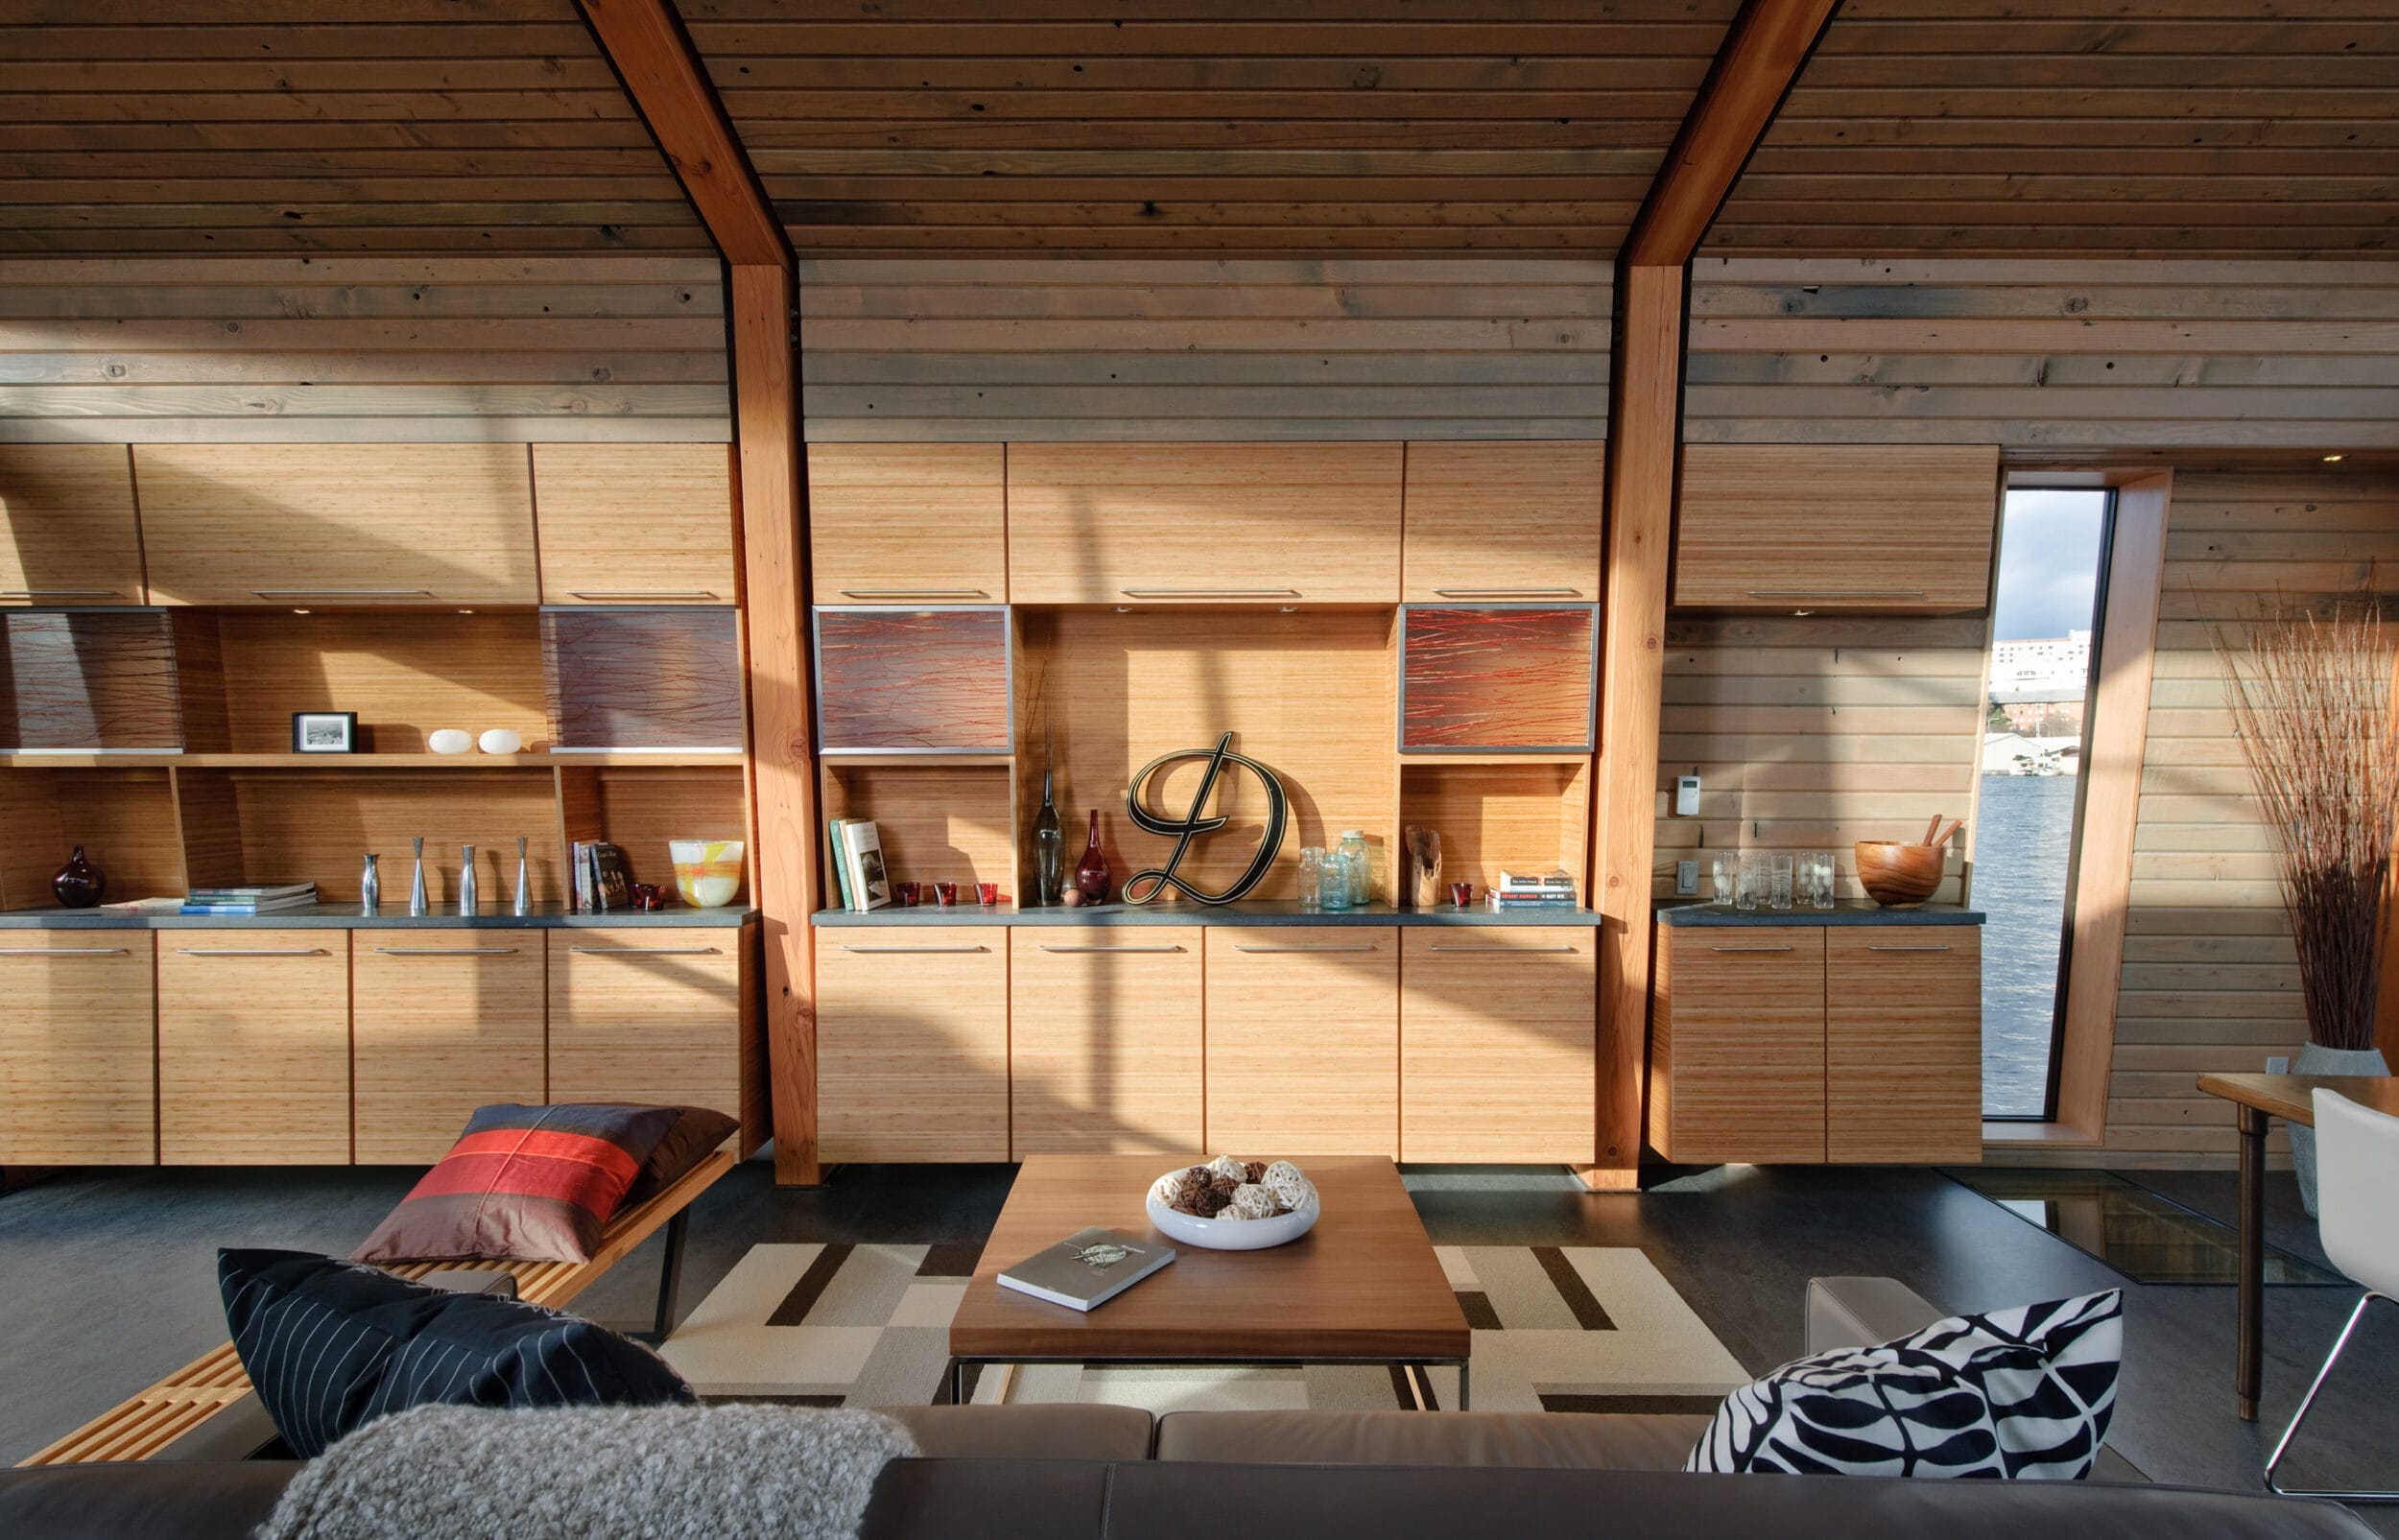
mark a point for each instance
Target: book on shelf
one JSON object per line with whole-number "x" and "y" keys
{"x": 242, "y": 907}
{"x": 1089, "y": 1267}
{"x": 251, "y": 896}
{"x": 841, "y": 861}
{"x": 861, "y": 847}
{"x": 604, "y": 880}
{"x": 1555, "y": 880}
{"x": 1520, "y": 901}
{"x": 146, "y": 906}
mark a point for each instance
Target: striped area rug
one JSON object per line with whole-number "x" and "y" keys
{"x": 1556, "y": 1328}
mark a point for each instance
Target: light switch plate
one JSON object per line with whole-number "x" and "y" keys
{"x": 1686, "y": 797}
{"x": 2278, "y": 1065}
{"x": 1686, "y": 877}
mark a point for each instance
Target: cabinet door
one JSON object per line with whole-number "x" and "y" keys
{"x": 254, "y": 1048}
{"x": 442, "y": 1022}
{"x": 77, "y": 1049}
{"x": 336, "y": 524}
{"x": 912, "y": 1043}
{"x": 1105, "y": 1041}
{"x": 644, "y": 1014}
{"x": 1874, "y": 526}
{"x": 908, "y": 524}
{"x": 634, "y": 524}
{"x": 1303, "y": 1041}
{"x": 66, "y": 526}
{"x": 1737, "y": 1045}
{"x": 1496, "y": 1028}
{"x": 1496, "y": 522}
{"x": 1904, "y": 1044}
{"x": 1208, "y": 524}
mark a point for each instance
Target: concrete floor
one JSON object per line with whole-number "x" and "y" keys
{"x": 110, "y": 1279}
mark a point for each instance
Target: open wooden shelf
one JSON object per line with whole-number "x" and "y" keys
{"x": 536, "y": 760}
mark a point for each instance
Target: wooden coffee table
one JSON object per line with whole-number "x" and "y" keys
{"x": 1363, "y": 1287}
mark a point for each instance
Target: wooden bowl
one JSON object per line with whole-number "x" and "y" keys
{"x": 1900, "y": 876}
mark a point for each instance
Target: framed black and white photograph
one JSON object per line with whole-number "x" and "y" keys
{"x": 324, "y": 732}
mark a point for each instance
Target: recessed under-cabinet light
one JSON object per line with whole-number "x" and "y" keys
{"x": 2329, "y": 459}
{"x": 299, "y": 612}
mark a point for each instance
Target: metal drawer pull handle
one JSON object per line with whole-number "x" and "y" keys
{"x": 1047, "y": 948}
{"x": 1514, "y": 951}
{"x": 1209, "y": 593}
{"x": 1751, "y": 948}
{"x": 1873, "y": 948}
{"x": 446, "y": 951}
{"x": 1837, "y": 593}
{"x": 642, "y": 593}
{"x": 651, "y": 951}
{"x": 57, "y": 593}
{"x": 342, "y": 593}
{"x": 914, "y": 593}
{"x": 62, "y": 952}
{"x": 895, "y": 951}
{"x": 1509, "y": 593}
{"x": 252, "y": 950}
{"x": 1364, "y": 947}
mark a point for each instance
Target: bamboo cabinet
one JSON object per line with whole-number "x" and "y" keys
{"x": 911, "y": 1044}
{"x": 442, "y": 1022}
{"x": 1496, "y": 1031}
{"x": 1303, "y": 1040}
{"x": 653, "y": 1014}
{"x": 77, "y": 1051}
{"x": 1106, "y": 1042}
{"x": 1737, "y": 1045}
{"x": 67, "y": 532}
{"x": 634, "y": 524}
{"x": 1903, "y": 1043}
{"x": 254, "y": 1048}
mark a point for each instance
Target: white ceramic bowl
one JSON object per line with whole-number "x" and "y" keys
{"x": 1235, "y": 1235}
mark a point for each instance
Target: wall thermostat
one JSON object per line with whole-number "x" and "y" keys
{"x": 1686, "y": 797}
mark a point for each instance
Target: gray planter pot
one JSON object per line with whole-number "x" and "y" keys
{"x": 2314, "y": 1060}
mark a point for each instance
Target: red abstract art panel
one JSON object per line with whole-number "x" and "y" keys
{"x": 643, "y": 678}
{"x": 928, "y": 680}
{"x": 1500, "y": 678}
{"x": 88, "y": 679}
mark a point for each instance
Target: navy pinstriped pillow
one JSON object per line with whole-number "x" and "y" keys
{"x": 2017, "y": 1393}
{"x": 332, "y": 1345}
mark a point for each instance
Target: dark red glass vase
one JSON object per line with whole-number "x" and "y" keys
{"x": 1091, "y": 872}
{"x": 79, "y": 883}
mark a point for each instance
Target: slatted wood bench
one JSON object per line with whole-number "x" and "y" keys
{"x": 180, "y": 1403}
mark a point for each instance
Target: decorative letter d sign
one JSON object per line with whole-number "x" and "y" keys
{"x": 1144, "y": 886}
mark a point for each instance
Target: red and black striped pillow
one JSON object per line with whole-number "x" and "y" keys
{"x": 523, "y": 1184}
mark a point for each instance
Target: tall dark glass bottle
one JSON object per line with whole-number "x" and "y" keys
{"x": 1049, "y": 849}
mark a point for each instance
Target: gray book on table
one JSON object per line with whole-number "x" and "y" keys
{"x": 1088, "y": 1268}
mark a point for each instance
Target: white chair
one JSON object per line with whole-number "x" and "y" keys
{"x": 2357, "y": 1207}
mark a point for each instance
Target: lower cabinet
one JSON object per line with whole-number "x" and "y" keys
{"x": 1496, "y": 1028}
{"x": 1737, "y": 1045}
{"x": 911, "y": 1044}
{"x": 77, "y": 1054}
{"x": 1903, "y": 1044}
{"x": 254, "y": 1048}
{"x": 1106, "y": 1041}
{"x": 1303, "y": 1041}
{"x": 442, "y": 1023}
{"x": 646, "y": 1014}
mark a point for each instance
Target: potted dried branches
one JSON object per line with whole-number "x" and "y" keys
{"x": 2312, "y": 702}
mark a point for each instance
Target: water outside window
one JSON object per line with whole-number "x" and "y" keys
{"x": 2050, "y": 546}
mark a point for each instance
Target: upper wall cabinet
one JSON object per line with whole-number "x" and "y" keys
{"x": 1502, "y": 522}
{"x": 908, "y": 524}
{"x": 1873, "y": 527}
{"x": 336, "y": 524}
{"x": 635, "y": 524}
{"x": 1091, "y": 524}
{"x": 66, "y": 526}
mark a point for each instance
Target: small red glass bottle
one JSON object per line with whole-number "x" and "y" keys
{"x": 1091, "y": 872}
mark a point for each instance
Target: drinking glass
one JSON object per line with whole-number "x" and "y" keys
{"x": 1821, "y": 878}
{"x": 1460, "y": 894}
{"x": 946, "y": 894}
{"x": 988, "y": 894}
{"x": 1780, "y": 894}
{"x": 1723, "y": 869}
{"x": 1752, "y": 879}
{"x": 904, "y": 895}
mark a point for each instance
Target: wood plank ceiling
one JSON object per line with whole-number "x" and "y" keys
{"x": 2114, "y": 128}
{"x": 282, "y": 126}
{"x": 1223, "y": 128}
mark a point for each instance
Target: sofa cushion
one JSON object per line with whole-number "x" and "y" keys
{"x": 331, "y": 1345}
{"x": 221, "y": 1501}
{"x": 1574, "y": 1440}
{"x": 1862, "y": 1311}
{"x": 523, "y": 1184}
{"x": 991, "y": 1499}
{"x": 1063, "y": 1431}
{"x": 2018, "y": 1393}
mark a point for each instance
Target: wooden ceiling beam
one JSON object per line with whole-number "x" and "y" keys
{"x": 661, "y": 71}
{"x": 1763, "y": 52}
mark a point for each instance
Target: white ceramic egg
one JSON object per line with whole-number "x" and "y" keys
{"x": 502, "y": 741}
{"x": 449, "y": 741}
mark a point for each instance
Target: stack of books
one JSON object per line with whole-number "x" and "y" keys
{"x": 1552, "y": 888}
{"x": 241, "y": 901}
{"x": 604, "y": 880}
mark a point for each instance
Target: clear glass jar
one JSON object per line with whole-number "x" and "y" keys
{"x": 1357, "y": 860}
{"x": 1311, "y": 876}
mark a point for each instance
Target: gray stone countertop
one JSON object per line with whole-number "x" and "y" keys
{"x": 1844, "y": 911}
{"x": 392, "y": 918}
{"x": 1264, "y": 913}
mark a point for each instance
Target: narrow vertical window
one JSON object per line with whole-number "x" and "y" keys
{"x": 2028, "y": 820}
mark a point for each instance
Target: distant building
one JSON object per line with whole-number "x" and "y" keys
{"x": 2050, "y": 668}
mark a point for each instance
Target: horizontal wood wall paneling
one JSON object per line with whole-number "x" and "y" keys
{"x": 1916, "y": 127}
{"x": 1339, "y": 347}
{"x": 2045, "y": 356}
{"x": 536, "y": 147}
{"x": 2209, "y": 980}
{"x": 362, "y": 348}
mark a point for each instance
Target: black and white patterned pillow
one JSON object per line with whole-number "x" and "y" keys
{"x": 2017, "y": 1393}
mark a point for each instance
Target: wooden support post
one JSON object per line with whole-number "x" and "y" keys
{"x": 2386, "y": 1007}
{"x": 1644, "y": 433}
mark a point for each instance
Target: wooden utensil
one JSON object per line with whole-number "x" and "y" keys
{"x": 1932, "y": 828}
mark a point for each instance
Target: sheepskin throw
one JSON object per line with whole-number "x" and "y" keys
{"x": 639, "y": 1473}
